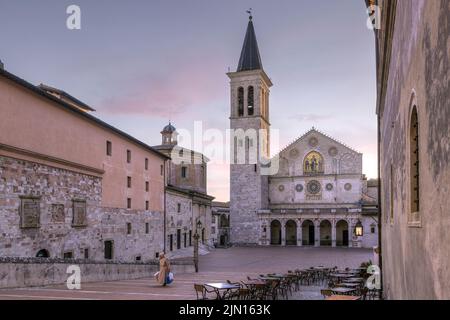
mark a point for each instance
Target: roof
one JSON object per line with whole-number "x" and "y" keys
{"x": 169, "y": 147}
{"x": 250, "y": 58}
{"x": 64, "y": 94}
{"x": 77, "y": 111}
{"x": 169, "y": 128}
{"x": 189, "y": 192}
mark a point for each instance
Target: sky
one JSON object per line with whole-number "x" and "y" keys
{"x": 140, "y": 63}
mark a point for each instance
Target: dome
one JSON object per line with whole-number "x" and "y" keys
{"x": 169, "y": 128}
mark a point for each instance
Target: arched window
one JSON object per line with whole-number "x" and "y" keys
{"x": 240, "y": 101}
{"x": 313, "y": 163}
{"x": 250, "y": 101}
{"x": 414, "y": 165}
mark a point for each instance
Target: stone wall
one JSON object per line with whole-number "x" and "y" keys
{"x": 57, "y": 210}
{"x": 15, "y": 273}
{"x": 416, "y": 253}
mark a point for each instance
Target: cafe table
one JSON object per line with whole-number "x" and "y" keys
{"x": 222, "y": 287}
{"x": 340, "y": 290}
{"x": 349, "y": 285}
{"x": 338, "y": 297}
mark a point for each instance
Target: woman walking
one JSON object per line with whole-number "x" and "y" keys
{"x": 164, "y": 269}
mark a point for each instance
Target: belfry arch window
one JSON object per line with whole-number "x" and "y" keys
{"x": 250, "y": 101}
{"x": 414, "y": 166}
{"x": 313, "y": 163}
{"x": 240, "y": 101}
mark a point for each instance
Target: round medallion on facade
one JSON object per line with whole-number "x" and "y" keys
{"x": 313, "y": 187}
{"x": 348, "y": 186}
{"x": 281, "y": 187}
{"x": 313, "y": 142}
{"x": 293, "y": 153}
{"x": 299, "y": 188}
{"x": 333, "y": 151}
{"x": 329, "y": 186}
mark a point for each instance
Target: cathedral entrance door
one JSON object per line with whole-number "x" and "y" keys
{"x": 312, "y": 236}
{"x": 345, "y": 238}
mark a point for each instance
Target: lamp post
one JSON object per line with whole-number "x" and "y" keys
{"x": 196, "y": 237}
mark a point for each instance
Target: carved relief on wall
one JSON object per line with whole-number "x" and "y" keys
{"x": 313, "y": 163}
{"x": 58, "y": 213}
{"x": 30, "y": 212}
{"x": 79, "y": 213}
{"x": 313, "y": 142}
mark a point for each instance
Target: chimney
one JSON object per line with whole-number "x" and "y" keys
{"x": 2, "y": 66}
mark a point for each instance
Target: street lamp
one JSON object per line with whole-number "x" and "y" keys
{"x": 359, "y": 229}
{"x": 196, "y": 237}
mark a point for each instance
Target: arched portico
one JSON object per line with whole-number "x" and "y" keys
{"x": 291, "y": 233}
{"x": 308, "y": 233}
{"x": 325, "y": 233}
{"x": 275, "y": 232}
{"x": 342, "y": 234}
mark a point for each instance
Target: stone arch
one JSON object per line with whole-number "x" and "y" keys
{"x": 43, "y": 253}
{"x": 342, "y": 233}
{"x": 275, "y": 232}
{"x": 291, "y": 233}
{"x": 313, "y": 163}
{"x": 308, "y": 233}
{"x": 325, "y": 233}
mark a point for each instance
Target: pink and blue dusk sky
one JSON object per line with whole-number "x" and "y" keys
{"x": 141, "y": 63}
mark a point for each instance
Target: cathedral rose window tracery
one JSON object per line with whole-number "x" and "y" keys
{"x": 299, "y": 188}
{"x": 313, "y": 163}
{"x": 313, "y": 187}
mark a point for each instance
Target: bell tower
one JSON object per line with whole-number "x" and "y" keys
{"x": 250, "y": 129}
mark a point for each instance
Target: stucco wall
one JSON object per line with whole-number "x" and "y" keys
{"x": 416, "y": 259}
{"x": 38, "y": 125}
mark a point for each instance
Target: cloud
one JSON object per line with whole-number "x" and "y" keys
{"x": 311, "y": 117}
{"x": 171, "y": 94}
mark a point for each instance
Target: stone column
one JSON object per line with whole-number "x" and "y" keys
{"x": 283, "y": 232}
{"x": 333, "y": 233}
{"x": 317, "y": 233}
{"x": 299, "y": 234}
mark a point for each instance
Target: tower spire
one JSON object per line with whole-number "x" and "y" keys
{"x": 250, "y": 58}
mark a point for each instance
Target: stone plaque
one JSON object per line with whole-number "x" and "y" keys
{"x": 58, "y": 213}
{"x": 79, "y": 213}
{"x": 30, "y": 212}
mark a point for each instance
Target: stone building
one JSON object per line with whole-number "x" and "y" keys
{"x": 314, "y": 194}
{"x": 220, "y": 224}
{"x": 71, "y": 185}
{"x": 186, "y": 199}
{"x": 413, "y": 109}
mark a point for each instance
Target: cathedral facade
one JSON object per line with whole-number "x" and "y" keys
{"x": 315, "y": 194}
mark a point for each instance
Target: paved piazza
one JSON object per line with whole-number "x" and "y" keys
{"x": 222, "y": 264}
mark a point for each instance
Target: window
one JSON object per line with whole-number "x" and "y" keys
{"x": 183, "y": 172}
{"x": 138, "y": 258}
{"x": 178, "y": 207}
{"x": 171, "y": 242}
{"x": 147, "y": 205}
{"x": 146, "y": 164}
{"x": 129, "y": 182}
{"x": 240, "y": 101}
{"x": 108, "y": 148}
{"x": 190, "y": 238}
{"x": 313, "y": 163}
{"x": 128, "y": 156}
{"x": 185, "y": 239}
{"x": 109, "y": 249}
{"x": 86, "y": 253}
{"x": 372, "y": 229}
{"x": 146, "y": 186}
{"x": 162, "y": 170}
{"x": 391, "y": 195}
{"x": 68, "y": 255}
{"x": 128, "y": 228}
{"x": 128, "y": 203}
{"x": 213, "y": 219}
{"x": 178, "y": 238}
{"x": 213, "y": 230}
{"x": 147, "y": 228}
{"x": 250, "y": 101}
{"x": 414, "y": 167}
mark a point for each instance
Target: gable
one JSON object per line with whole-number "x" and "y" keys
{"x": 315, "y": 152}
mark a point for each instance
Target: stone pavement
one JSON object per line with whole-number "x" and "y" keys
{"x": 222, "y": 264}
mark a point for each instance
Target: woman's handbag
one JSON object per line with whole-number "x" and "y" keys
{"x": 169, "y": 278}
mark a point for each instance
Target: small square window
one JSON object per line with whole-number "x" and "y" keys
{"x": 68, "y": 255}
{"x": 129, "y": 203}
{"x": 108, "y": 148}
{"x": 86, "y": 253}
{"x": 128, "y": 156}
{"x": 147, "y": 228}
{"x": 147, "y": 205}
{"x": 129, "y": 182}
{"x": 146, "y": 186}
{"x": 146, "y": 164}
{"x": 128, "y": 228}
{"x": 162, "y": 170}
{"x": 178, "y": 207}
